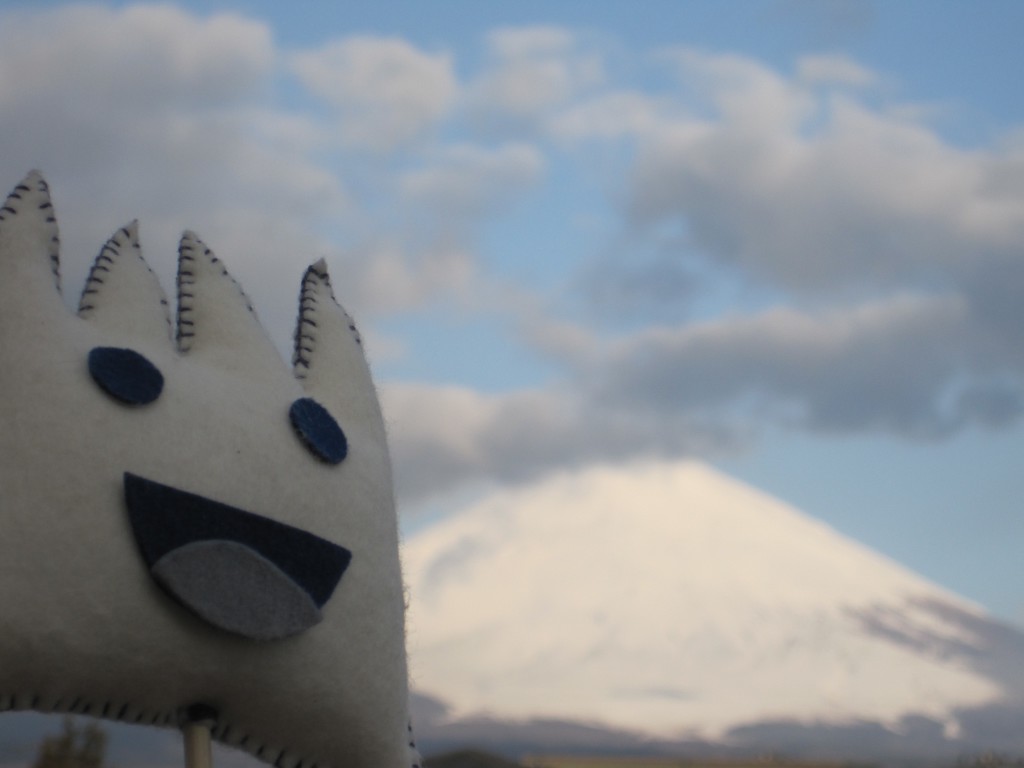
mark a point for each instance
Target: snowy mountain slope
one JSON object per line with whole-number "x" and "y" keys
{"x": 674, "y": 602}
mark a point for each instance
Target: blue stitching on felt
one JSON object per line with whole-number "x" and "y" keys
{"x": 125, "y": 375}
{"x": 318, "y": 430}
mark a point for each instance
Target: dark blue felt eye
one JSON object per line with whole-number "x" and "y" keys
{"x": 125, "y": 375}
{"x": 318, "y": 430}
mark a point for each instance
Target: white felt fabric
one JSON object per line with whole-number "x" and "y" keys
{"x": 84, "y": 626}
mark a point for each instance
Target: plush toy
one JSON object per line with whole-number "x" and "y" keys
{"x": 189, "y": 529}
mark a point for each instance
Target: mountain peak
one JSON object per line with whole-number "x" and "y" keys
{"x": 670, "y": 600}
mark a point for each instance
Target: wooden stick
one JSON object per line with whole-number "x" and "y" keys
{"x": 197, "y": 723}
{"x": 198, "y": 753}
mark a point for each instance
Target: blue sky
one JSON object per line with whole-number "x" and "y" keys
{"x": 781, "y": 236}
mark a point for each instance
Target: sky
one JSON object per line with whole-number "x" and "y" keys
{"x": 784, "y": 237}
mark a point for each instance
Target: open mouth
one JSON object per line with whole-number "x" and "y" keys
{"x": 241, "y": 572}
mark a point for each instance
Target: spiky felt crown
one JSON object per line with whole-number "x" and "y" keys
{"x": 186, "y": 521}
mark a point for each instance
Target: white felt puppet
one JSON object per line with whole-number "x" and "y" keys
{"x": 186, "y": 523}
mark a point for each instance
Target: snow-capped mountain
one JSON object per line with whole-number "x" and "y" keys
{"x": 670, "y": 601}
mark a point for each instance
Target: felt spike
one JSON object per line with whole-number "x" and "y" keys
{"x": 122, "y": 296}
{"x": 328, "y": 356}
{"x": 216, "y": 321}
{"x": 29, "y": 251}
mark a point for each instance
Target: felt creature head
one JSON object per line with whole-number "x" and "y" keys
{"x": 183, "y": 520}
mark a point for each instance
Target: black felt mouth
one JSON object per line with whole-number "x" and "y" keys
{"x": 239, "y": 571}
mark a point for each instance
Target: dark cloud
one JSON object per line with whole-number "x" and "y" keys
{"x": 447, "y": 438}
{"x": 887, "y": 366}
{"x": 912, "y": 367}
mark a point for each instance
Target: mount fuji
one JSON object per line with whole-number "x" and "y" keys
{"x": 667, "y": 604}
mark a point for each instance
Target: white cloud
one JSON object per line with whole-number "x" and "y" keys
{"x": 611, "y": 115}
{"x": 532, "y": 71}
{"x": 176, "y": 59}
{"x": 154, "y": 113}
{"x": 386, "y": 275}
{"x": 818, "y": 193}
{"x": 466, "y": 181}
{"x": 150, "y": 112}
{"x": 743, "y": 92}
{"x": 824, "y": 201}
{"x": 833, "y": 69}
{"x": 386, "y": 91}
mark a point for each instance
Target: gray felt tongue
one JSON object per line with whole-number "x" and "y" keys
{"x": 236, "y": 589}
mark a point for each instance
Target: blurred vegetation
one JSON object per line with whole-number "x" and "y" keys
{"x": 468, "y": 758}
{"x": 478, "y": 759}
{"x": 990, "y": 760}
{"x": 76, "y": 747}
{"x": 765, "y": 761}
